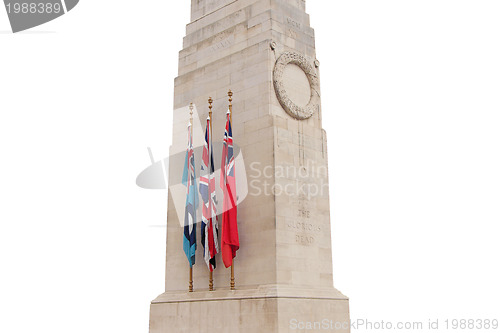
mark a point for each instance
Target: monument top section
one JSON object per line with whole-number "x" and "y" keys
{"x": 200, "y": 8}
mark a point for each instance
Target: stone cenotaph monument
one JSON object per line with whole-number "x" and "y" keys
{"x": 264, "y": 52}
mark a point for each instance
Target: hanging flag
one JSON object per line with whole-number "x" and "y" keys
{"x": 230, "y": 239}
{"x": 189, "y": 180}
{"x": 209, "y": 223}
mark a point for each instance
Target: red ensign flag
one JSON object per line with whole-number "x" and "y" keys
{"x": 230, "y": 238}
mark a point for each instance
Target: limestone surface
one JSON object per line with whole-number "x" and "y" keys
{"x": 284, "y": 266}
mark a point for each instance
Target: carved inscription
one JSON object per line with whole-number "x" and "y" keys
{"x": 222, "y": 44}
{"x": 306, "y": 231}
{"x": 304, "y": 226}
{"x": 294, "y": 25}
{"x": 304, "y": 213}
{"x": 304, "y": 240}
{"x": 291, "y": 22}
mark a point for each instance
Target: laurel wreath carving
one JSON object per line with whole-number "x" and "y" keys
{"x": 309, "y": 69}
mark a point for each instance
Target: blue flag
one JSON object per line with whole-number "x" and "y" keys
{"x": 189, "y": 180}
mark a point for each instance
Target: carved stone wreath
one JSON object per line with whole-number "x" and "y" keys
{"x": 290, "y": 107}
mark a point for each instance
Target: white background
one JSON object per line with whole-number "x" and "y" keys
{"x": 411, "y": 105}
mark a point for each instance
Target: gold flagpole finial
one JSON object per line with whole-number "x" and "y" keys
{"x": 191, "y": 107}
{"x": 230, "y": 94}
{"x": 210, "y": 101}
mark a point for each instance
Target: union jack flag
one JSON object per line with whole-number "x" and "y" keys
{"x": 189, "y": 180}
{"x": 209, "y": 223}
{"x": 230, "y": 239}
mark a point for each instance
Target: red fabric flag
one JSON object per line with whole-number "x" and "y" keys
{"x": 230, "y": 239}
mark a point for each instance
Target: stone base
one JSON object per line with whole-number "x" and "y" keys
{"x": 269, "y": 309}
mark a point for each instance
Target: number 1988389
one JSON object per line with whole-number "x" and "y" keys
{"x": 34, "y": 8}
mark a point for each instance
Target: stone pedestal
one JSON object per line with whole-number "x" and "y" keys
{"x": 265, "y": 309}
{"x": 264, "y": 51}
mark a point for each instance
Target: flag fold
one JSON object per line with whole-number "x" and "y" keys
{"x": 209, "y": 223}
{"x": 189, "y": 180}
{"x": 230, "y": 242}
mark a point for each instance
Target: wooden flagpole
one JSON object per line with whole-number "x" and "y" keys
{"x": 210, "y": 101}
{"x": 232, "y": 275}
{"x": 191, "y": 279}
{"x": 191, "y": 135}
{"x": 230, "y": 94}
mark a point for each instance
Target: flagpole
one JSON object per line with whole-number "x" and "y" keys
{"x": 230, "y": 94}
{"x": 232, "y": 275}
{"x": 190, "y": 279}
{"x": 191, "y": 135}
{"x": 210, "y": 101}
